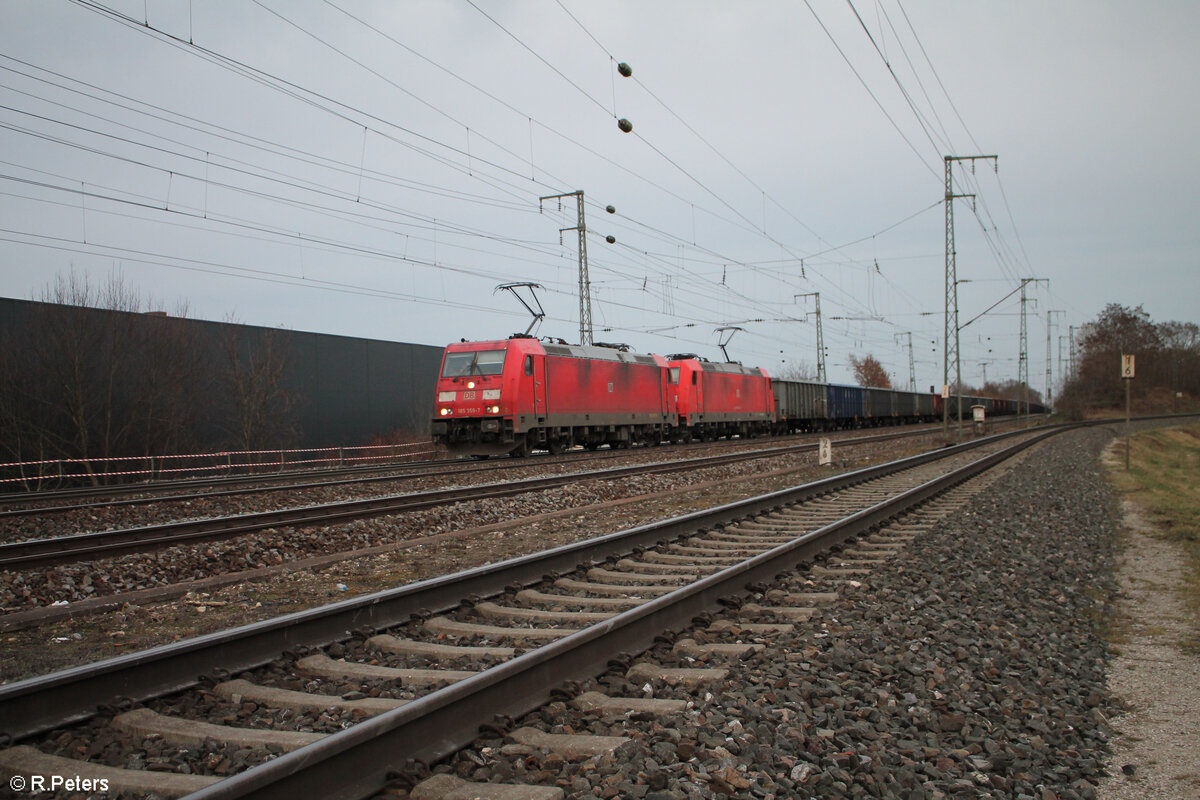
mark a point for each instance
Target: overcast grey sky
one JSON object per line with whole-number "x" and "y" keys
{"x": 373, "y": 168}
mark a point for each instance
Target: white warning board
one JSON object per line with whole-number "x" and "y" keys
{"x": 1126, "y": 366}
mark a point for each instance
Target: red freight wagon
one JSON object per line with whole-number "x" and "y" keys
{"x": 515, "y": 395}
{"x": 721, "y": 399}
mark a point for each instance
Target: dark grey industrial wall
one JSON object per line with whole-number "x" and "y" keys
{"x": 352, "y": 389}
{"x": 347, "y": 390}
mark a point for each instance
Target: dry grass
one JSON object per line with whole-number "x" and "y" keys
{"x": 1164, "y": 480}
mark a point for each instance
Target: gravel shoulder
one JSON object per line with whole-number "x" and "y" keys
{"x": 1156, "y": 747}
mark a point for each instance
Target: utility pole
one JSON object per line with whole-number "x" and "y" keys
{"x": 1023, "y": 360}
{"x": 820, "y": 334}
{"x": 984, "y": 364}
{"x": 585, "y": 285}
{"x": 912, "y": 373}
{"x": 1071, "y": 352}
{"x": 1049, "y": 338}
{"x": 1062, "y": 376}
{"x": 951, "y": 313}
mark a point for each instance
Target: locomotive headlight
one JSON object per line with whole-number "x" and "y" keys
{"x": 491, "y": 394}
{"x": 470, "y": 384}
{"x": 494, "y": 409}
{"x": 445, "y": 412}
{"x": 447, "y": 397}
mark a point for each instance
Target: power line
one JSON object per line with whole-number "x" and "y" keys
{"x": 454, "y": 157}
{"x": 857, "y": 75}
{"x": 538, "y": 56}
{"x": 937, "y": 77}
{"x": 904, "y": 92}
{"x": 272, "y": 81}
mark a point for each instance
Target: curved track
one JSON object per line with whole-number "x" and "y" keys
{"x": 602, "y": 597}
{"x": 35, "y": 553}
{"x": 16, "y": 505}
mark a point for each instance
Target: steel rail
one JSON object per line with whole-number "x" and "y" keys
{"x": 206, "y": 495}
{"x": 118, "y": 489}
{"x": 14, "y": 498}
{"x": 410, "y": 469}
{"x": 44, "y": 702}
{"x": 357, "y": 762}
{"x": 35, "y": 553}
{"x": 400, "y": 471}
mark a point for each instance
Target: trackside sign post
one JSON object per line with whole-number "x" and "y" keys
{"x": 1127, "y": 376}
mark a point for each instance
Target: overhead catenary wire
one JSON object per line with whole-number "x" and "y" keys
{"x": 925, "y": 126}
{"x": 731, "y": 208}
{"x": 291, "y": 88}
{"x": 633, "y": 255}
{"x": 999, "y": 247}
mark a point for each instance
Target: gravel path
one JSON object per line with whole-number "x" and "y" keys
{"x": 972, "y": 667}
{"x": 1156, "y": 752}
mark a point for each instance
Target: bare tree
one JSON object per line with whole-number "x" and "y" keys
{"x": 797, "y": 371}
{"x": 173, "y": 386}
{"x": 90, "y": 377}
{"x": 263, "y": 409}
{"x": 84, "y": 358}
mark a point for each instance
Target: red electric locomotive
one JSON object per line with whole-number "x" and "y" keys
{"x": 520, "y": 394}
{"x": 515, "y": 395}
{"x": 721, "y": 399}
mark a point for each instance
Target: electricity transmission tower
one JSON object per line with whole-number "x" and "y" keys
{"x": 1049, "y": 374}
{"x": 951, "y": 314}
{"x": 1023, "y": 360}
{"x": 585, "y": 285}
{"x": 912, "y": 373}
{"x": 1071, "y": 352}
{"x": 820, "y": 335}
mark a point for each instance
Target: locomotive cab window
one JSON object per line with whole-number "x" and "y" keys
{"x": 673, "y": 373}
{"x": 528, "y": 365}
{"x": 694, "y": 374}
{"x": 476, "y": 362}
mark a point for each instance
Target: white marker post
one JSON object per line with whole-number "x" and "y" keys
{"x": 979, "y": 416}
{"x": 824, "y": 452}
{"x": 1127, "y": 376}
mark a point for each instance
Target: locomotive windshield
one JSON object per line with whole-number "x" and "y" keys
{"x": 476, "y": 362}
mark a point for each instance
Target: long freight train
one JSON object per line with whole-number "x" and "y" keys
{"x": 521, "y": 394}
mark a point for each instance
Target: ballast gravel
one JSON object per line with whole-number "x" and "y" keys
{"x": 69, "y": 583}
{"x": 971, "y": 666}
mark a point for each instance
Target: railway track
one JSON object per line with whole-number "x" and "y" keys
{"x": 199, "y": 484}
{"x": 443, "y": 657}
{"x": 36, "y": 553}
{"x": 17, "y": 505}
